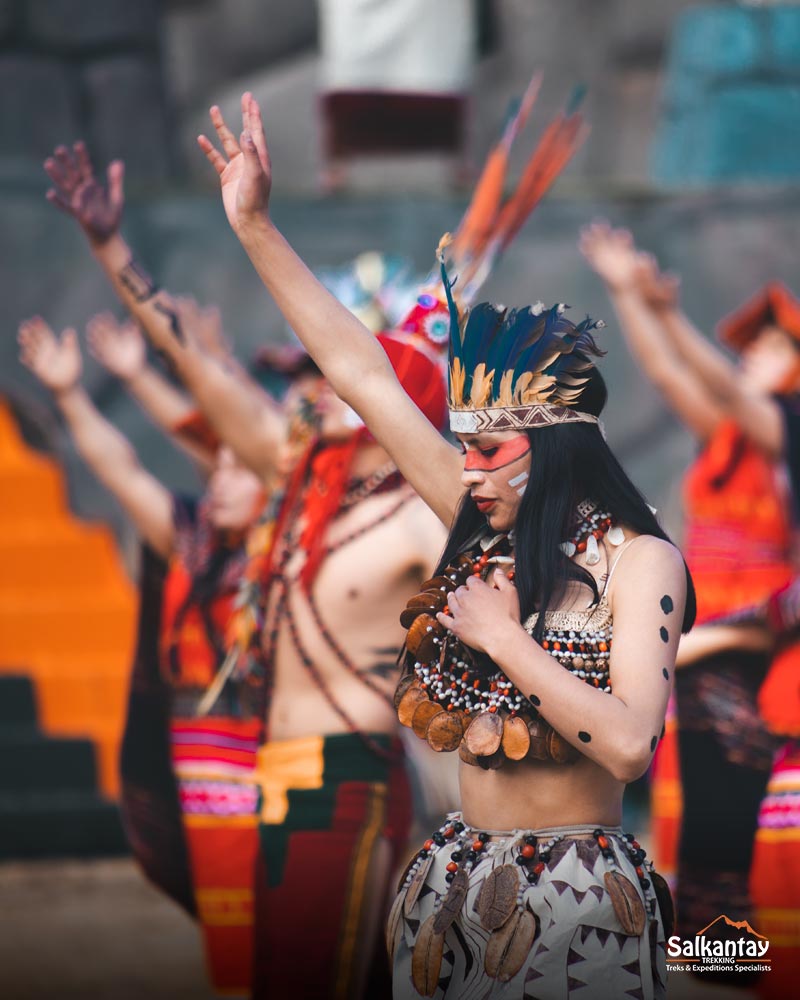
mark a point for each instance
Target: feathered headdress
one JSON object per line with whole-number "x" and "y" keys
{"x": 516, "y": 368}
{"x": 491, "y": 220}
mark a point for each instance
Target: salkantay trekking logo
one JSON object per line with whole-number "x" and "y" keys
{"x": 725, "y": 945}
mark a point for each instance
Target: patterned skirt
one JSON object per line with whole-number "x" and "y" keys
{"x": 529, "y": 914}
{"x": 775, "y": 875}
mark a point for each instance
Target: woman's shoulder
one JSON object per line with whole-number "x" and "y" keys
{"x": 645, "y": 559}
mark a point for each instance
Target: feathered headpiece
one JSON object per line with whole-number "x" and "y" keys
{"x": 491, "y": 220}
{"x": 511, "y": 369}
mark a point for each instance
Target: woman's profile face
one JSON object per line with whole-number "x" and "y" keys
{"x": 496, "y": 470}
{"x": 235, "y": 493}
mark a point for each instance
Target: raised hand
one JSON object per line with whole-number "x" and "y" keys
{"x": 661, "y": 289}
{"x": 204, "y": 325}
{"x": 611, "y": 253}
{"x": 76, "y": 191}
{"x": 119, "y": 347}
{"x": 55, "y": 361}
{"x": 245, "y": 171}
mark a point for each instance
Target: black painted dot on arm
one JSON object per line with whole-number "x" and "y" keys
{"x": 664, "y": 634}
{"x": 653, "y": 743}
{"x": 667, "y": 604}
{"x": 534, "y": 700}
{"x": 584, "y": 737}
{"x": 665, "y": 672}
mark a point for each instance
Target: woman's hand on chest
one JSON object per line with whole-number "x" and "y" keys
{"x": 483, "y": 612}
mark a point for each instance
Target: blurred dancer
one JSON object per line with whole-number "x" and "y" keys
{"x": 737, "y": 544}
{"x": 775, "y": 872}
{"x": 319, "y": 611}
{"x": 194, "y": 559}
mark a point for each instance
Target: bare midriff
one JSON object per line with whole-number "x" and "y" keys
{"x": 531, "y": 795}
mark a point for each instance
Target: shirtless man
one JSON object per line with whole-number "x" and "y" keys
{"x": 349, "y": 544}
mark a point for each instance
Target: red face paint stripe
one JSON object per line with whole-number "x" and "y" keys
{"x": 506, "y": 453}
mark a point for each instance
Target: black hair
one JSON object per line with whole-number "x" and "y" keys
{"x": 571, "y": 463}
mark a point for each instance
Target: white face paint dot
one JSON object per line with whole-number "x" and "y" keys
{"x": 517, "y": 480}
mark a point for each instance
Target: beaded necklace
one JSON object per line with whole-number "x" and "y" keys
{"x": 384, "y": 478}
{"x": 456, "y": 698}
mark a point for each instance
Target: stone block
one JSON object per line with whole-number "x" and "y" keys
{"x": 208, "y": 46}
{"x": 38, "y": 110}
{"x": 87, "y": 24}
{"x": 9, "y": 10}
{"x": 127, "y": 116}
{"x": 731, "y": 97}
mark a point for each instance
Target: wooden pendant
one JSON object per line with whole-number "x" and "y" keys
{"x": 409, "y": 702}
{"x": 437, "y": 585}
{"x": 466, "y": 754}
{"x": 508, "y": 947}
{"x": 426, "y": 959}
{"x": 420, "y": 636}
{"x": 484, "y": 734}
{"x": 410, "y": 615}
{"x": 429, "y": 599}
{"x": 424, "y": 712}
{"x": 492, "y": 761}
{"x": 402, "y": 880}
{"x": 452, "y": 903}
{"x": 497, "y": 899}
{"x": 403, "y": 685}
{"x": 393, "y": 925}
{"x": 559, "y": 750}
{"x": 445, "y": 732}
{"x": 516, "y": 738}
{"x": 627, "y": 903}
{"x": 665, "y": 904}
{"x": 538, "y": 731}
{"x": 416, "y": 884}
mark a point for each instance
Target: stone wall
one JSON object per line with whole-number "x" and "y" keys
{"x": 84, "y": 68}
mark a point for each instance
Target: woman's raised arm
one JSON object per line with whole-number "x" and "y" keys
{"x": 241, "y": 414}
{"x": 347, "y": 353}
{"x": 56, "y": 363}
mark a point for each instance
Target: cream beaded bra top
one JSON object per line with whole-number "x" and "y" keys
{"x": 581, "y": 640}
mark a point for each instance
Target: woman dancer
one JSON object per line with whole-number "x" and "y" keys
{"x": 738, "y": 538}
{"x": 557, "y": 896}
{"x": 190, "y": 794}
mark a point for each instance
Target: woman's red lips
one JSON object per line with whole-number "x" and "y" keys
{"x": 483, "y": 504}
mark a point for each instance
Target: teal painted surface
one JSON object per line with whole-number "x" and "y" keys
{"x": 731, "y": 104}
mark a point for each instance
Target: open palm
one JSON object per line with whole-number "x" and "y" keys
{"x": 119, "y": 347}
{"x": 55, "y": 361}
{"x": 245, "y": 172}
{"x": 76, "y": 191}
{"x": 611, "y": 253}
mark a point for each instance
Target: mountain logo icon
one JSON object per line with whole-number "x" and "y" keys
{"x": 724, "y": 927}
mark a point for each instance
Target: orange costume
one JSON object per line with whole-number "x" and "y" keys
{"x": 738, "y": 547}
{"x": 190, "y": 795}
{"x": 775, "y": 874}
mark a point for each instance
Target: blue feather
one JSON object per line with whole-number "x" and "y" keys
{"x": 456, "y": 347}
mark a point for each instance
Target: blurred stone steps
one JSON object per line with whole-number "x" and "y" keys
{"x": 49, "y": 802}
{"x": 59, "y": 824}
